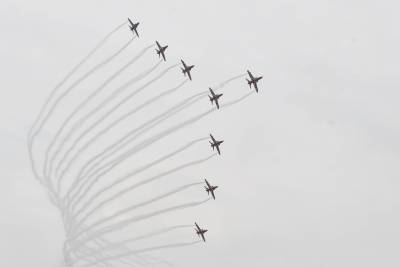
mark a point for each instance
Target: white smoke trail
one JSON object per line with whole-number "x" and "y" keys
{"x": 120, "y": 225}
{"x": 98, "y": 90}
{"x": 31, "y": 136}
{"x": 101, "y": 133}
{"x": 72, "y": 86}
{"x": 112, "y": 147}
{"x": 81, "y": 121}
{"x": 105, "y": 154}
{"x": 129, "y": 175}
{"x": 139, "y": 205}
{"x": 141, "y": 237}
{"x": 115, "y": 147}
{"x": 68, "y": 76}
{"x": 145, "y": 144}
{"x": 130, "y": 188}
{"x": 175, "y": 245}
{"x": 116, "y": 106}
{"x": 107, "y": 151}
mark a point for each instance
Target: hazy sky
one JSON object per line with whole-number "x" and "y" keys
{"x": 309, "y": 171}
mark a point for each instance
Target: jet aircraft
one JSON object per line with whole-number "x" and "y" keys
{"x": 186, "y": 69}
{"x": 161, "y": 50}
{"x": 253, "y": 80}
{"x": 214, "y": 97}
{"x": 210, "y": 188}
{"x": 133, "y": 27}
{"x": 215, "y": 144}
{"x": 200, "y": 231}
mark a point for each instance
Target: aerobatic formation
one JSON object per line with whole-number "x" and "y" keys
{"x": 80, "y": 164}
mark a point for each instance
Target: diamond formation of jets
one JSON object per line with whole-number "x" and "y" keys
{"x": 186, "y": 69}
{"x": 200, "y": 231}
{"x": 161, "y": 50}
{"x": 214, "y": 97}
{"x": 216, "y": 144}
{"x": 253, "y": 80}
{"x": 210, "y": 188}
{"x": 133, "y": 27}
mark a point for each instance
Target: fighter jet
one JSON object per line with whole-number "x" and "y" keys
{"x": 210, "y": 188}
{"x": 215, "y": 144}
{"x": 253, "y": 80}
{"x": 200, "y": 231}
{"x": 186, "y": 69}
{"x": 214, "y": 97}
{"x": 161, "y": 50}
{"x": 133, "y": 27}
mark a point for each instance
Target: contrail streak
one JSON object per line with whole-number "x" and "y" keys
{"x": 62, "y": 96}
{"x": 148, "y": 142}
{"x": 126, "y": 176}
{"x": 81, "y": 121}
{"x": 235, "y": 101}
{"x": 115, "y": 147}
{"x": 100, "y": 65}
{"x": 216, "y": 88}
{"x": 139, "y": 205}
{"x": 175, "y": 245}
{"x": 98, "y": 90}
{"x": 79, "y": 176}
{"x": 143, "y": 145}
{"x": 120, "y": 225}
{"x": 30, "y": 136}
{"x": 68, "y": 76}
{"x": 78, "y": 153}
{"x": 107, "y": 151}
{"x": 110, "y": 112}
{"x": 122, "y": 192}
{"x": 163, "y": 134}
{"x": 151, "y": 234}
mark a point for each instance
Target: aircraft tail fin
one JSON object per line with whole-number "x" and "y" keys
{"x": 212, "y": 101}
{"x": 249, "y": 82}
{"x": 184, "y": 73}
{"x": 212, "y": 145}
{"x": 208, "y": 192}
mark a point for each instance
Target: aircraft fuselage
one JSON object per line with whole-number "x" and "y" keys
{"x": 187, "y": 69}
{"x": 212, "y": 188}
{"x": 254, "y": 80}
{"x": 216, "y": 143}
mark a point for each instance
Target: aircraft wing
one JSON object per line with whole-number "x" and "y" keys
{"x": 190, "y": 77}
{"x": 202, "y": 235}
{"x": 211, "y": 92}
{"x": 255, "y": 86}
{"x": 251, "y": 76}
{"x": 184, "y": 65}
{"x": 207, "y": 183}
{"x": 162, "y": 53}
{"x": 159, "y": 47}
{"x": 219, "y": 152}
{"x": 136, "y": 32}
{"x": 197, "y": 226}
{"x": 212, "y": 193}
{"x": 213, "y": 138}
{"x": 130, "y": 21}
{"x": 216, "y": 102}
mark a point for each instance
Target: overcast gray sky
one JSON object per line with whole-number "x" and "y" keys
{"x": 309, "y": 171}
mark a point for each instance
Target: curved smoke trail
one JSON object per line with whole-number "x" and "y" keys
{"x": 81, "y": 196}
